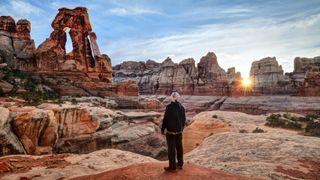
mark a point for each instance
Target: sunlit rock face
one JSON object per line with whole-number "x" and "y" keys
{"x": 85, "y": 56}
{"x": 212, "y": 79}
{"x": 208, "y": 78}
{"x": 16, "y": 46}
{"x": 236, "y": 85}
{"x": 265, "y": 74}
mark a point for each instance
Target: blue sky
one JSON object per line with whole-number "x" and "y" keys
{"x": 238, "y": 31}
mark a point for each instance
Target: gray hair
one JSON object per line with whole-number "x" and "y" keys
{"x": 175, "y": 95}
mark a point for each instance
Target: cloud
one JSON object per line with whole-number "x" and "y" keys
{"x": 132, "y": 11}
{"x": 237, "y": 10}
{"x": 236, "y": 44}
{"x": 20, "y": 9}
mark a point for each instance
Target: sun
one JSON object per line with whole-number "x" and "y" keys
{"x": 246, "y": 82}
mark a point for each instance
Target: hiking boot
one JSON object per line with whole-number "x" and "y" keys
{"x": 179, "y": 167}
{"x": 169, "y": 169}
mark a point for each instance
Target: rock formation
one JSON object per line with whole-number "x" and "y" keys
{"x": 208, "y": 78}
{"x": 81, "y": 128}
{"x": 311, "y": 86}
{"x": 145, "y": 74}
{"x": 306, "y": 75}
{"x": 9, "y": 143}
{"x": 85, "y": 56}
{"x": 265, "y": 75}
{"x": 268, "y": 77}
{"x": 83, "y": 71}
{"x": 16, "y": 46}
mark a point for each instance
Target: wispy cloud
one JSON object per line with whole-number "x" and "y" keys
{"x": 19, "y": 9}
{"x": 237, "y": 10}
{"x": 132, "y": 11}
{"x": 236, "y": 44}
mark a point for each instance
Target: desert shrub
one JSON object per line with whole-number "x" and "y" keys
{"x": 243, "y": 131}
{"x": 214, "y": 116}
{"x": 31, "y": 98}
{"x": 2, "y": 92}
{"x": 287, "y": 115}
{"x": 74, "y": 101}
{"x": 293, "y": 125}
{"x": 313, "y": 128}
{"x": 312, "y": 117}
{"x": 258, "y": 130}
{"x": 274, "y": 120}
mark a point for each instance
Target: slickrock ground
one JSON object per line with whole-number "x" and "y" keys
{"x": 155, "y": 171}
{"x": 203, "y": 125}
{"x": 249, "y": 104}
{"x": 67, "y": 165}
{"x": 216, "y": 146}
{"x": 275, "y": 154}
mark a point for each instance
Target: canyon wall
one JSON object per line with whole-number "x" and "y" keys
{"x": 208, "y": 78}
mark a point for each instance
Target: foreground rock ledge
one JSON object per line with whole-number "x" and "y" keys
{"x": 155, "y": 171}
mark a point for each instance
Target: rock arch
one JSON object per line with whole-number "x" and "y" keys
{"x": 85, "y": 56}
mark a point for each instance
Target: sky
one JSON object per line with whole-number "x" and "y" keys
{"x": 237, "y": 31}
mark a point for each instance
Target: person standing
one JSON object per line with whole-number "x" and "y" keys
{"x": 172, "y": 127}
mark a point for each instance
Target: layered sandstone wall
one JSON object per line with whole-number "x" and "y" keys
{"x": 207, "y": 78}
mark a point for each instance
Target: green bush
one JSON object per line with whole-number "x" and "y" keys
{"x": 74, "y": 101}
{"x": 214, "y": 116}
{"x": 313, "y": 128}
{"x": 310, "y": 123}
{"x": 258, "y": 130}
{"x": 2, "y": 92}
{"x": 275, "y": 120}
{"x": 243, "y": 131}
{"x": 287, "y": 115}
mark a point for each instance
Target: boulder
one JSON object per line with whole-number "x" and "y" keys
{"x": 37, "y": 130}
{"x": 9, "y": 143}
{"x": 72, "y": 120}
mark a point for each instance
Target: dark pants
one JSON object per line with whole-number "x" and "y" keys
{"x": 174, "y": 143}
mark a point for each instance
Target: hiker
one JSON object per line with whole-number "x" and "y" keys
{"x": 172, "y": 127}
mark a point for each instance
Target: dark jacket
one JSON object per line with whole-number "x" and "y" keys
{"x": 174, "y": 118}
